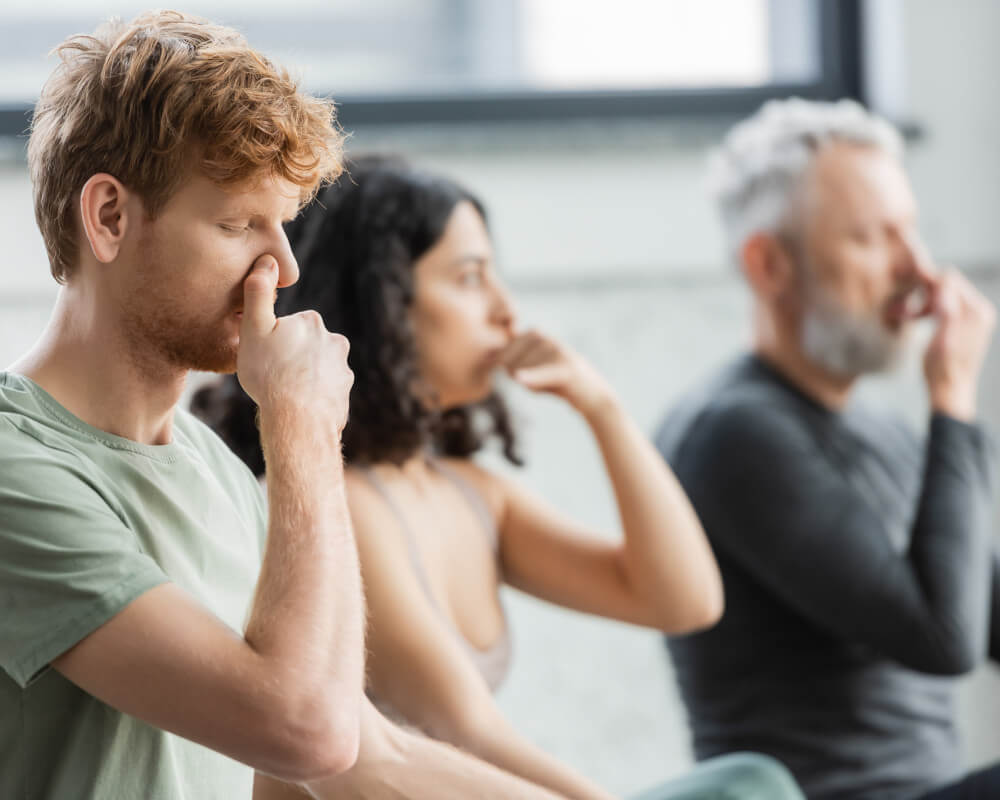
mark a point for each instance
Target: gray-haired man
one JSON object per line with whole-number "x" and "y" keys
{"x": 856, "y": 557}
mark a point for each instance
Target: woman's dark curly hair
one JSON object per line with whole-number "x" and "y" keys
{"x": 356, "y": 246}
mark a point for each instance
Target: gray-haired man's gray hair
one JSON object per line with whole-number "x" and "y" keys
{"x": 755, "y": 173}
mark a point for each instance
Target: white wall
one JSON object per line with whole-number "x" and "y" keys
{"x": 605, "y": 234}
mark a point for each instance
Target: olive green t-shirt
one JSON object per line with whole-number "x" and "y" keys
{"x": 89, "y": 522}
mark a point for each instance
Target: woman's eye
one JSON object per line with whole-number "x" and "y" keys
{"x": 471, "y": 279}
{"x": 233, "y": 228}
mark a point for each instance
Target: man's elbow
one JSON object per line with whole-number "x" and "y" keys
{"x": 951, "y": 661}
{"x": 336, "y": 754}
{"x": 315, "y": 746}
{"x": 944, "y": 647}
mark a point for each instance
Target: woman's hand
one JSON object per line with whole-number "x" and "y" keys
{"x": 542, "y": 364}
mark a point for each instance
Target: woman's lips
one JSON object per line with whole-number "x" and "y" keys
{"x": 494, "y": 358}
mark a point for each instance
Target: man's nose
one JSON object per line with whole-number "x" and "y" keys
{"x": 288, "y": 266}
{"x": 288, "y": 270}
{"x": 914, "y": 259}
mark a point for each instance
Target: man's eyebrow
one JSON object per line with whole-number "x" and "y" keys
{"x": 470, "y": 258}
{"x": 251, "y": 212}
{"x": 238, "y": 211}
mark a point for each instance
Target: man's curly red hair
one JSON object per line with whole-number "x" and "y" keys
{"x": 139, "y": 99}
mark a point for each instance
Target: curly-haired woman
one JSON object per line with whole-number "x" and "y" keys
{"x": 401, "y": 263}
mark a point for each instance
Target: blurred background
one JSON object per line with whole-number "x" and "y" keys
{"x": 584, "y": 126}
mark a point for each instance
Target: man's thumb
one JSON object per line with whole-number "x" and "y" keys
{"x": 258, "y": 296}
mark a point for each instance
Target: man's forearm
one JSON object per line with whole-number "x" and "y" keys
{"x": 397, "y": 765}
{"x": 308, "y": 612}
{"x": 995, "y": 610}
{"x": 950, "y": 549}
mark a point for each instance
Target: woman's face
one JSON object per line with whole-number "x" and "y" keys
{"x": 462, "y": 315}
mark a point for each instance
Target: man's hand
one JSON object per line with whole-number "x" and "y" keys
{"x": 292, "y": 357}
{"x": 542, "y": 364}
{"x": 954, "y": 357}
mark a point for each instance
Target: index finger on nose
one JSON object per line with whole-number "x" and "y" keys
{"x": 259, "y": 290}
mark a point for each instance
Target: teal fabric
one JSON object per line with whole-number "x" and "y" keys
{"x": 740, "y": 776}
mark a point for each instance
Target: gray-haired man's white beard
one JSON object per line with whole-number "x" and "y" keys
{"x": 847, "y": 344}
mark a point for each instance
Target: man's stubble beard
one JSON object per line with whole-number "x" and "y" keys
{"x": 163, "y": 332}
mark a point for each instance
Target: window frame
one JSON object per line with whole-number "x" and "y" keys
{"x": 841, "y": 75}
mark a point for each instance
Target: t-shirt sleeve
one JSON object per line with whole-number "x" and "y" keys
{"x": 779, "y": 508}
{"x": 68, "y": 563}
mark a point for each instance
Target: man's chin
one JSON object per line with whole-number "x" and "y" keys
{"x": 220, "y": 359}
{"x": 888, "y": 356}
{"x": 223, "y": 369}
{"x": 220, "y": 366}
{"x": 901, "y": 341}
{"x": 851, "y": 348}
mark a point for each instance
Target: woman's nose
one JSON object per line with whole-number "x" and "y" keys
{"x": 503, "y": 308}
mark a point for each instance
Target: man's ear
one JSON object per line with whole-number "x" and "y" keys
{"x": 767, "y": 265}
{"x": 104, "y": 213}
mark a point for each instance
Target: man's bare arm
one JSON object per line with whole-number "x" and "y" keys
{"x": 285, "y": 698}
{"x": 394, "y": 764}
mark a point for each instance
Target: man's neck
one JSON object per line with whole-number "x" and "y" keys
{"x": 779, "y": 346}
{"x": 86, "y": 363}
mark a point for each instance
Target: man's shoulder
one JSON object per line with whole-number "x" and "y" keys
{"x": 35, "y": 431}
{"x": 738, "y": 405}
{"x": 33, "y": 445}
{"x": 22, "y": 418}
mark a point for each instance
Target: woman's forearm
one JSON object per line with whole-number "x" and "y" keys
{"x": 666, "y": 562}
{"x": 495, "y": 740}
{"x": 666, "y": 554}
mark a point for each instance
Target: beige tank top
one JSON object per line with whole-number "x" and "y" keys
{"x": 493, "y": 662}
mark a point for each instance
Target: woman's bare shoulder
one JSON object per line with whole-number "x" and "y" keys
{"x": 491, "y": 485}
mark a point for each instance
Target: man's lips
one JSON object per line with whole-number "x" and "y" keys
{"x": 907, "y": 305}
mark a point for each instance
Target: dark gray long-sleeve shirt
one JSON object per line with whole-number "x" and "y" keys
{"x": 859, "y": 578}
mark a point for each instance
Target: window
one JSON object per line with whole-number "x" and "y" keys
{"x": 390, "y": 61}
